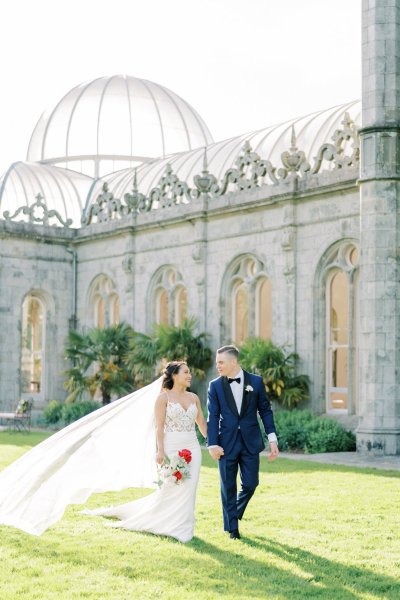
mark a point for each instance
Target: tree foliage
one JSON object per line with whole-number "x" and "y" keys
{"x": 278, "y": 370}
{"x": 98, "y": 362}
{"x": 147, "y": 354}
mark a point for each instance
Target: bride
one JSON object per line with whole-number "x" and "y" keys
{"x": 114, "y": 448}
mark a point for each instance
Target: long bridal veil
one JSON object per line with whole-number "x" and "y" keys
{"x": 110, "y": 449}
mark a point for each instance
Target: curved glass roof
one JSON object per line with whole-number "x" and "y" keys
{"x": 115, "y": 122}
{"x": 63, "y": 190}
{"x": 311, "y": 131}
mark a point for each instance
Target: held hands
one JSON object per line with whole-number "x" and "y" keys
{"x": 274, "y": 451}
{"x": 216, "y": 452}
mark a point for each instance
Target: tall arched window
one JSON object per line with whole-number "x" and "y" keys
{"x": 264, "y": 308}
{"x": 104, "y": 302}
{"x": 167, "y": 297}
{"x": 180, "y": 306}
{"x": 341, "y": 329}
{"x": 241, "y": 314}
{"x": 248, "y": 303}
{"x": 114, "y": 309}
{"x": 32, "y": 347}
{"x": 162, "y": 307}
{"x": 338, "y": 340}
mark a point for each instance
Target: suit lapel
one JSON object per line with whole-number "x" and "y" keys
{"x": 245, "y": 397}
{"x": 229, "y": 396}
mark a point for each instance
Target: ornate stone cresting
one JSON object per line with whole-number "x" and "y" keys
{"x": 38, "y": 214}
{"x": 336, "y": 152}
{"x": 170, "y": 191}
{"x": 248, "y": 173}
{"x": 106, "y": 208}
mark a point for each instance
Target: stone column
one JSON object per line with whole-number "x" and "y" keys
{"x": 379, "y": 343}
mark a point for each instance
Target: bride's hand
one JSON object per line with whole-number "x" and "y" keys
{"x": 160, "y": 457}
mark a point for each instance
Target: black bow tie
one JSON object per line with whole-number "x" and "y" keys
{"x": 237, "y": 379}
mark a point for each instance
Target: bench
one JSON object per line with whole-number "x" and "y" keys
{"x": 21, "y": 417}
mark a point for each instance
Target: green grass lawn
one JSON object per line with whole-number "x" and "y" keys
{"x": 311, "y": 531}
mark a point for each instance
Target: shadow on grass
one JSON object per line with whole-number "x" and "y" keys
{"x": 285, "y": 465}
{"x": 334, "y": 576}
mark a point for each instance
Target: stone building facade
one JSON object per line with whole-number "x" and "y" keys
{"x": 263, "y": 234}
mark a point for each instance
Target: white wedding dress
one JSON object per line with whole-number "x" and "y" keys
{"x": 111, "y": 449}
{"x": 169, "y": 510}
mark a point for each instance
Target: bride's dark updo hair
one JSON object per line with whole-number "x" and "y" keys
{"x": 172, "y": 368}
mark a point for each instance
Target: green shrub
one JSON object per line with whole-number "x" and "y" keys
{"x": 76, "y": 410}
{"x": 52, "y": 412}
{"x": 278, "y": 368}
{"x": 304, "y": 431}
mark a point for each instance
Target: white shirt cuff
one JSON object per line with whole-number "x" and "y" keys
{"x": 272, "y": 437}
{"x": 214, "y": 446}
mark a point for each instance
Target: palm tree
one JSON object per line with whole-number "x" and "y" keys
{"x": 98, "y": 362}
{"x": 277, "y": 369}
{"x": 148, "y": 353}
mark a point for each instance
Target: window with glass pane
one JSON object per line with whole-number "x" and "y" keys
{"x": 264, "y": 310}
{"x": 100, "y": 313}
{"x": 162, "y": 312}
{"x": 115, "y": 310}
{"x": 338, "y": 344}
{"x": 32, "y": 345}
{"x": 241, "y": 314}
{"x": 180, "y": 306}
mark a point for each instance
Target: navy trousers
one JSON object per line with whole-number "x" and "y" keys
{"x": 234, "y": 504}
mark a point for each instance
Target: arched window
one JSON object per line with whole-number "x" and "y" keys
{"x": 32, "y": 347}
{"x": 114, "y": 310}
{"x": 264, "y": 308}
{"x": 338, "y": 340}
{"x": 104, "y": 302}
{"x": 241, "y": 314}
{"x": 341, "y": 282}
{"x": 167, "y": 298}
{"x": 247, "y": 301}
{"x": 180, "y": 306}
{"x": 162, "y": 307}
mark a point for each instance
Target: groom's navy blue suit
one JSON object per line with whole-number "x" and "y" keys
{"x": 240, "y": 437}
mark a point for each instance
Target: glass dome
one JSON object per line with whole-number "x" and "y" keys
{"x": 115, "y": 122}
{"x": 61, "y": 189}
{"x": 311, "y": 131}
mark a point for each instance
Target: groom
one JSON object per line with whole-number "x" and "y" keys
{"x": 234, "y": 436}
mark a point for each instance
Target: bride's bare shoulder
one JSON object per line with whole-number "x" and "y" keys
{"x": 162, "y": 398}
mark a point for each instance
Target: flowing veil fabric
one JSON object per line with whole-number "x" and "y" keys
{"x": 110, "y": 449}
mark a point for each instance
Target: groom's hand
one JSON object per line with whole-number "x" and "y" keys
{"x": 273, "y": 446}
{"x": 216, "y": 452}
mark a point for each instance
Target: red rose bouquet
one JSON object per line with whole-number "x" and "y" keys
{"x": 175, "y": 469}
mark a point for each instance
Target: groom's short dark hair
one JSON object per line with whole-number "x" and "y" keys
{"x": 231, "y": 349}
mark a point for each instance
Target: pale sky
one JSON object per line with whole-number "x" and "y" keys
{"x": 242, "y": 64}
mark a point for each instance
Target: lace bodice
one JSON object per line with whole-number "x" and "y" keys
{"x": 179, "y": 419}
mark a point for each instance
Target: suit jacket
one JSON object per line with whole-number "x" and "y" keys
{"x": 224, "y": 420}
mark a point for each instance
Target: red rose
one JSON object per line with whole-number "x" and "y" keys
{"x": 177, "y": 474}
{"x": 186, "y": 455}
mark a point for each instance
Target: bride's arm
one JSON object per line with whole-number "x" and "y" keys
{"x": 159, "y": 415}
{"x": 201, "y": 422}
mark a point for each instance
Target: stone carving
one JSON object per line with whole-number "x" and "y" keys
{"x": 170, "y": 191}
{"x": 336, "y": 152}
{"x": 249, "y": 172}
{"x": 205, "y": 181}
{"x": 38, "y": 214}
{"x": 106, "y": 208}
{"x": 135, "y": 201}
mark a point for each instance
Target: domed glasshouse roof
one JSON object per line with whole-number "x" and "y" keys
{"x": 114, "y": 122}
{"x": 311, "y": 131}
{"x": 60, "y": 189}
{"x": 116, "y": 129}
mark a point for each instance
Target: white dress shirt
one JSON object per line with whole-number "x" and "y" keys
{"x": 237, "y": 391}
